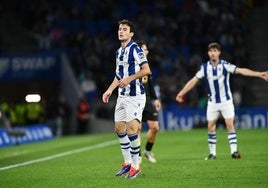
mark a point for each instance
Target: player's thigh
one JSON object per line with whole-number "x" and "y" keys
{"x": 227, "y": 110}
{"x": 212, "y": 112}
{"x": 134, "y": 108}
{"x": 120, "y": 112}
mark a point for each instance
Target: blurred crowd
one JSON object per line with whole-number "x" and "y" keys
{"x": 56, "y": 112}
{"x": 177, "y": 33}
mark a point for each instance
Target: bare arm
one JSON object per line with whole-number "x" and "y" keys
{"x": 188, "y": 86}
{"x": 145, "y": 69}
{"x": 106, "y": 95}
{"x": 249, "y": 72}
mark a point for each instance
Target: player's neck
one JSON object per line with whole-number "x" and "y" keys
{"x": 214, "y": 62}
{"x": 124, "y": 43}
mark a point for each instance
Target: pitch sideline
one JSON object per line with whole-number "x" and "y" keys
{"x": 101, "y": 145}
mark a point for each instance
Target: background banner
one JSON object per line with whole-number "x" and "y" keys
{"x": 16, "y": 136}
{"x": 189, "y": 118}
{"x": 30, "y": 67}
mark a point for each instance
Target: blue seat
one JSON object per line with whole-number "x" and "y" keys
{"x": 91, "y": 28}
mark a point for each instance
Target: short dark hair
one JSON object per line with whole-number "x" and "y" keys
{"x": 140, "y": 42}
{"x": 129, "y": 23}
{"x": 214, "y": 45}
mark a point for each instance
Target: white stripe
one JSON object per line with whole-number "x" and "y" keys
{"x": 101, "y": 145}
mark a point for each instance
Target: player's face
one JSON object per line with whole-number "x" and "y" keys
{"x": 145, "y": 49}
{"x": 214, "y": 54}
{"x": 124, "y": 33}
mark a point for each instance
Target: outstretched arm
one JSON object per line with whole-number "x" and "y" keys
{"x": 109, "y": 91}
{"x": 249, "y": 72}
{"x": 189, "y": 85}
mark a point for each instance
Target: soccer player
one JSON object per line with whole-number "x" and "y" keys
{"x": 131, "y": 66}
{"x": 153, "y": 104}
{"x": 216, "y": 73}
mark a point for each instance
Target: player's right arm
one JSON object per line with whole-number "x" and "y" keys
{"x": 188, "y": 86}
{"x": 106, "y": 95}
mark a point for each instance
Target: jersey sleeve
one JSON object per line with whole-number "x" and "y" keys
{"x": 140, "y": 56}
{"x": 200, "y": 73}
{"x": 230, "y": 67}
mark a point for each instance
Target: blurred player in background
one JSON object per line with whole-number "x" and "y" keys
{"x": 220, "y": 101}
{"x": 150, "y": 115}
{"x": 131, "y": 66}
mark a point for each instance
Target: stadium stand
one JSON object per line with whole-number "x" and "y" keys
{"x": 177, "y": 32}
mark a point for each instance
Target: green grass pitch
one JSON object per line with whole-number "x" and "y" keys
{"x": 93, "y": 160}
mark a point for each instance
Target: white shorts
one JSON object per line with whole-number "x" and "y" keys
{"x": 129, "y": 108}
{"x": 226, "y": 109}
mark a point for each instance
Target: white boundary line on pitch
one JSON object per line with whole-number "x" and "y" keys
{"x": 101, "y": 145}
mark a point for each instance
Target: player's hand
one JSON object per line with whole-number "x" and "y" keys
{"x": 179, "y": 98}
{"x": 106, "y": 96}
{"x": 264, "y": 75}
{"x": 157, "y": 104}
{"x": 124, "y": 82}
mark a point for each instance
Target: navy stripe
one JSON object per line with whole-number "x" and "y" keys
{"x": 233, "y": 143}
{"x": 231, "y": 133}
{"x": 124, "y": 147}
{"x": 225, "y": 82}
{"x": 123, "y": 91}
{"x": 212, "y": 142}
{"x": 131, "y": 71}
{"x": 133, "y": 137}
{"x": 124, "y": 144}
{"x": 234, "y": 138}
{"x": 134, "y": 152}
{"x": 135, "y": 148}
{"x": 121, "y": 71}
{"x": 206, "y": 80}
{"x": 205, "y": 65}
{"x": 121, "y": 74}
{"x": 121, "y": 135}
{"x": 121, "y": 57}
{"x": 216, "y": 85}
{"x": 212, "y": 136}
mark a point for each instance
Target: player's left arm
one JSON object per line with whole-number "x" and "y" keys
{"x": 252, "y": 73}
{"x": 145, "y": 69}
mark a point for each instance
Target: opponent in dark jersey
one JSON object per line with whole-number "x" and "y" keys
{"x": 150, "y": 115}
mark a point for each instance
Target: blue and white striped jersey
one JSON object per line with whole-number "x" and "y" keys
{"x": 128, "y": 62}
{"x": 217, "y": 80}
